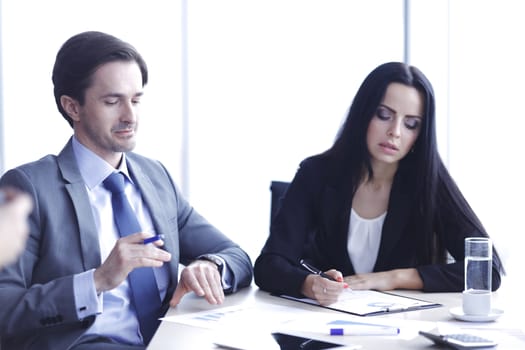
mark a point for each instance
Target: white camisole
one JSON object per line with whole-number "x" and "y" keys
{"x": 364, "y": 236}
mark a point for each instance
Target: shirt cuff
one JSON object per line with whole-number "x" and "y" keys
{"x": 87, "y": 302}
{"x": 226, "y": 275}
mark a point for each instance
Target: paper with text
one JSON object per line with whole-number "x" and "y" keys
{"x": 370, "y": 302}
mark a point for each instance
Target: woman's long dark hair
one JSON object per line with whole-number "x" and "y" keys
{"x": 422, "y": 167}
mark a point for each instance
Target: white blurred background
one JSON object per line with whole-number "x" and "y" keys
{"x": 241, "y": 91}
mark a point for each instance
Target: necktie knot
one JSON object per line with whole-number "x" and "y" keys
{"x": 114, "y": 183}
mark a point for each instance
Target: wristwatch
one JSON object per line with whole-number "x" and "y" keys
{"x": 214, "y": 259}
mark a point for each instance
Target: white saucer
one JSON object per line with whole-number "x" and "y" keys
{"x": 457, "y": 312}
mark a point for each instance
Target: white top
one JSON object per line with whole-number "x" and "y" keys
{"x": 364, "y": 236}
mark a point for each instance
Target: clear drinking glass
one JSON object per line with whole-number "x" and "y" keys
{"x": 478, "y": 276}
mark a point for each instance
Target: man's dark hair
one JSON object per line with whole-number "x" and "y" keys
{"x": 80, "y": 56}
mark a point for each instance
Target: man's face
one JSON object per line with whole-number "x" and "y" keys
{"x": 107, "y": 122}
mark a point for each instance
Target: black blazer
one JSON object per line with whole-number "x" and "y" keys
{"x": 313, "y": 223}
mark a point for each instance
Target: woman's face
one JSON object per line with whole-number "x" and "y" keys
{"x": 395, "y": 126}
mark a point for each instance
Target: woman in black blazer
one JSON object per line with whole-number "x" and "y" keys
{"x": 378, "y": 210}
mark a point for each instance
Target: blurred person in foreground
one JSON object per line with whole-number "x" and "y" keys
{"x": 15, "y": 207}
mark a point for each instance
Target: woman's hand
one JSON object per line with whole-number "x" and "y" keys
{"x": 322, "y": 289}
{"x": 386, "y": 280}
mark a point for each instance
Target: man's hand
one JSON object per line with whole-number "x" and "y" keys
{"x": 203, "y": 278}
{"x": 129, "y": 253}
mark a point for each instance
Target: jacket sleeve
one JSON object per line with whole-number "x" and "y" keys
{"x": 453, "y": 225}
{"x": 277, "y": 267}
{"x": 197, "y": 237}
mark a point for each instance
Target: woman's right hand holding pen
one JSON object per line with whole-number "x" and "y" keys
{"x": 322, "y": 289}
{"x": 325, "y": 287}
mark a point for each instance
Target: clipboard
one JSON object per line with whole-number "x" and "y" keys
{"x": 370, "y": 303}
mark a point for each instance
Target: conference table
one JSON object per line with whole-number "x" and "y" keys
{"x": 175, "y": 332}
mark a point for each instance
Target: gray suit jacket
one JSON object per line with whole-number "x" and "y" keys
{"x": 37, "y": 306}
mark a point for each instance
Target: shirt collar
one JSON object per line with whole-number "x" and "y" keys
{"x": 93, "y": 168}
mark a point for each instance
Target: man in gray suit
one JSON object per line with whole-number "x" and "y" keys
{"x": 72, "y": 287}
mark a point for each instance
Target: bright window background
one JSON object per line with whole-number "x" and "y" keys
{"x": 269, "y": 84}
{"x": 241, "y": 91}
{"x": 32, "y": 33}
{"x": 486, "y": 119}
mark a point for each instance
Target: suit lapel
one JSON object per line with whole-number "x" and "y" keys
{"x": 335, "y": 206}
{"x": 158, "y": 214}
{"x": 76, "y": 188}
{"x": 149, "y": 194}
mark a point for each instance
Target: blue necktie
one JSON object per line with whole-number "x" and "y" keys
{"x": 144, "y": 290}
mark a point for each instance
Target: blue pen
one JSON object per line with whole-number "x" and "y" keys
{"x": 363, "y": 330}
{"x": 153, "y": 239}
{"x": 315, "y": 270}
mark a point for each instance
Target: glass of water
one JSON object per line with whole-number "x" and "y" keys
{"x": 478, "y": 276}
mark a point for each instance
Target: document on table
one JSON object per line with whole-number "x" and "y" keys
{"x": 370, "y": 302}
{"x": 238, "y": 316}
{"x": 243, "y": 326}
{"x": 237, "y": 326}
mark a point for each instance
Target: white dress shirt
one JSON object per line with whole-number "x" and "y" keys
{"x": 116, "y": 317}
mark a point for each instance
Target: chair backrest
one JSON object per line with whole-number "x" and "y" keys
{"x": 278, "y": 189}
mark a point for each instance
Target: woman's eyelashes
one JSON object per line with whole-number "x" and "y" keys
{"x": 384, "y": 113}
{"x": 410, "y": 122}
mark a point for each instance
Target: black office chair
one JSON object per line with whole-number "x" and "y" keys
{"x": 278, "y": 189}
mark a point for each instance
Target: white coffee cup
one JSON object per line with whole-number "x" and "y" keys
{"x": 477, "y": 302}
